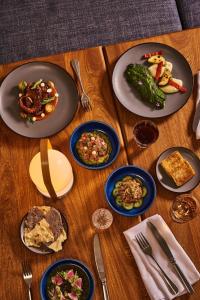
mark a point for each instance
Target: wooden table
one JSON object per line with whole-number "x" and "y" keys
{"x": 18, "y": 194}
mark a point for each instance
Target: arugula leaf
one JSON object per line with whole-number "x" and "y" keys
{"x": 47, "y": 100}
{"x": 36, "y": 84}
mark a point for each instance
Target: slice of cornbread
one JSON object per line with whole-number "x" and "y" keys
{"x": 178, "y": 168}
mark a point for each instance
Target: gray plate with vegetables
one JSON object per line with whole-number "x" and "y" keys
{"x": 152, "y": 80}
{"x": 34, "y": 72}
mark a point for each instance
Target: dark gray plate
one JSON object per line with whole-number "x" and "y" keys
{"x": 131, "y": 99}
{"x": 167, "y": 182}
{"x": 64, "y": 112}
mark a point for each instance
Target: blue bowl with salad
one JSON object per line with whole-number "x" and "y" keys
{"x": 130, "y": 190}
{"x": 67, "y": 279}
{"x": 94, "y": 145}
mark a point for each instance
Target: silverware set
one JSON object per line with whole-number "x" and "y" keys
{"x": 85, "y": 99}
{"x": 27, "y": 275}
{"x": 147, "y": 249}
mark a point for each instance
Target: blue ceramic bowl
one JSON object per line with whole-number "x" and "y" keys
{"x": 130, "y": 171}
{"x": 88, "y": 277}
{"x": 92, "y": 126}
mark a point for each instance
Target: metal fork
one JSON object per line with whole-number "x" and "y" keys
{"x": 27, "y": 275}
{"x": 147, "y": 249}
{"x": 85, "y": 100}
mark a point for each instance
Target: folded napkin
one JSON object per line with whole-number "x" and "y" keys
{"x": 196, "y": 122}
{"x": 149, "y": 271}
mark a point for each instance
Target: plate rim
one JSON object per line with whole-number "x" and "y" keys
{"x": 125, "y": 213}
{"x": 90, "y": 167}
{"x": 166, "y": 186}
{"x": 47, "y": 63}
{"x": 166, "y": 45}
{"x": 75, "y": 261}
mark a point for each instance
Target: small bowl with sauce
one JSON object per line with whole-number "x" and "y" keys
{"x": 145, "y": 133}
{"x": 144, "y": 201}
{"x": 94, "y": 145}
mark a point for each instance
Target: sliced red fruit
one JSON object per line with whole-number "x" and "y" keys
{"x": 159, "y": 70}
{"x": 70, "y": 274}
{"x": 72, "y": 296}
{"x": 78, "y": 283}
{"x": 182, "y": 89}
{"x": 57, "y": 279}
{"x": 147, "y": 55}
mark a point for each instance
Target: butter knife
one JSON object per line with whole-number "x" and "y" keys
{"x": 167, "y": 251}
{"x": 100, "y": 266}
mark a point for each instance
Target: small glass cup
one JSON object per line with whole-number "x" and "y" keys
{"x": 102, "y": 219}
{"x": 184, "y": 208}
{"x": 145, "y": 133}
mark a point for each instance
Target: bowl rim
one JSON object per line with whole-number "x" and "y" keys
{"x": 126, "y": 213}
{"x": 73, "y": 260}
{"x": 91, "y": 167}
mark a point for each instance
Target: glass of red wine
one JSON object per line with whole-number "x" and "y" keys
{"x": 145, "y": 133}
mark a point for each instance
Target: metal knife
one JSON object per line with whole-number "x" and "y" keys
{"x": 100, "y": 266}
{"x": 167, "y": 251}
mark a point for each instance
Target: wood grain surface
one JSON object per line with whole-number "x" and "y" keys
{"x": 18, "y": 194}
{"x": 175, "y": 130}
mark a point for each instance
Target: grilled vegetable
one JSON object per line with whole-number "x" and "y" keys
{"x": 171, "y": 89}
{"x": 153, "y": 70}
{"x": 165, "y": 78}
{"x": 156, "y": 59}
{"x": 175, "y": 84}
{"x": 140, "y": 77}
{"x": 147, "y": 55}
{"x": 158, "y": 71}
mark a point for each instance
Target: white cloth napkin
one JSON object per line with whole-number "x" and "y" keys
{"x": 196, "y": 121}
{"x": 153, "y": 281}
